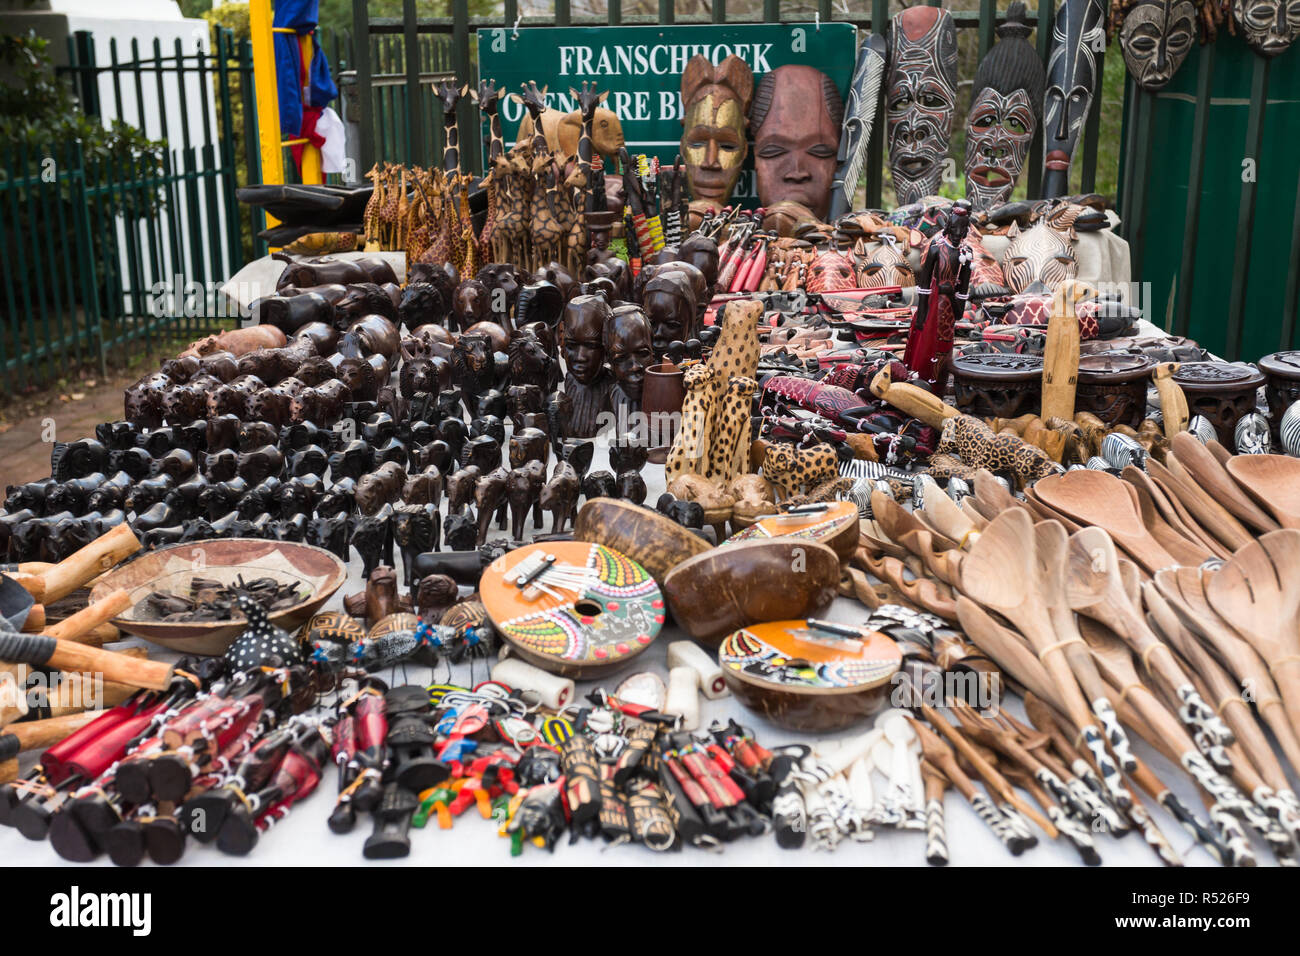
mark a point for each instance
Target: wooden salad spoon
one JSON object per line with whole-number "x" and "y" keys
{"x": 1184, "y": 590}
{"x": 1045, "y": 512}
{"x": 1181, "y": 549}
{"x": 1006, "y": 648}
{"x": 1273, "y": 481}
{"x": 1211, "y": 515}
{"x": 896, "y": 521}
{"x": 1207, "y": 472}
{"x": 1144, "y": 712}
{"x": 1096, "y": 589}
{"x": 1052, "y": 546}
{"x": 971, "y": 510}
{"x": 1224, "y": 691}
{"x": 944, "y": 515}
{"x": 996, "y": 572}
{"x": 1221, "y": 454}
{"x": 1174, "y": 513}
{"x": 1259, "y": 592}
{"x": 1096, "y": 498}
{"x": 993, "y": 496}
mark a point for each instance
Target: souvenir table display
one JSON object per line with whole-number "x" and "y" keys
{"x": 603, "y": 539}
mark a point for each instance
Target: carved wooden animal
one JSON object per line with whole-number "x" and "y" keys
{"x": 489, "y": 498}
{"x": 523, "y": 491}
{"x": 560, "y": 495}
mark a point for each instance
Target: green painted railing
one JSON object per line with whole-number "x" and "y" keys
{"x": 94, "y": 245}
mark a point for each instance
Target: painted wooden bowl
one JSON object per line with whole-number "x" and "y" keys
{"x": 573, "y": 608}
{"x": 170, "y": 570}
{"x": 802, "y": 677}
{"x": 836, "y": 527}
{"x": 767, "y": 579}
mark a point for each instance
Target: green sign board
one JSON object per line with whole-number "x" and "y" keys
{"x": 642, "y": 68}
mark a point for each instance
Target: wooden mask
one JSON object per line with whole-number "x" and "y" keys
{"x": 1005, "y": 100}
{"x": 1269, "y": 26}
{"x": 796, "y": 120}
{"x": 1156, "y": 36}
{"x": 1038, "y": 260}
{"x": 1077, "y": 36}
{"x": 920, "y": 99}
{"x": 715, "y": 101}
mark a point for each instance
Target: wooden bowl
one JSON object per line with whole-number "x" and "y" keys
{"x": 770, "y": 579}
{"x": 576, "y": 632}
{"x": 836, "y": 527}
{"x": 170, "y": 569}
{"x": 805, "y": 679}
{"x": 657, "y": 543}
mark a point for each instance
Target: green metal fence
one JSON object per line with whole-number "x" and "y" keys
{"x": 457, "y": 31}
{"x": 97, "y": 244}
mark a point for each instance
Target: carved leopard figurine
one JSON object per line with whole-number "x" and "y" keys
{"x": 792, "y": 470}
{"x": 978, "y": 447}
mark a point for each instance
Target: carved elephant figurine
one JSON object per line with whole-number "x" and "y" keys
{"x": 424, "y": 488}
{"x": 489, "y": 498}
{"x": 560, "y": 495}
{"x": 483, "y": 450}
{"x": 460, "y": 488}
{"x": 524, "y": 489}
{"x": 529, "y": 444}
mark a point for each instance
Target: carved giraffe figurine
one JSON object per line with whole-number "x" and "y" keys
{"x": 461, "y": 251}
{"x": 545, "y": 225}
{"x": 593, "y": 178}
{"x": 488, "y": 99}
{"x": 510, "y": 239}
{"x": 572, "y": 221}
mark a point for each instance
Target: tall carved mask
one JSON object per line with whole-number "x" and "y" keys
{"x": 1038, "y": 260}
{"x": 1078, "y": 35}
{"x": 1003, "y": 115}
{"x": 1156, "y": 37}
{"x": 921, "y": 97}
{"x": 796, "y": 120}
{"x": 1269, "y": 26}
{"x": 716, "y": 101}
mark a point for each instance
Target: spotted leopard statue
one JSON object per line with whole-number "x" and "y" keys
{"x": 966, "y": 445}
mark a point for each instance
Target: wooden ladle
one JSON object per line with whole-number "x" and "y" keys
{"x": 996, "y": 572}
{"x": 1273, "y": 481}
{"x": 1259, "y": 592}
{"x": 1096, "y": 498}
{"x": 1096, "y": 589}
{"x": 1052, "y": 546}
{"x": 1184, "y": 589}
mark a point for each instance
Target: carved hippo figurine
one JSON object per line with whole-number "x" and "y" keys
{"x": 560, "y": 495}
{"x": 688, "y": 514}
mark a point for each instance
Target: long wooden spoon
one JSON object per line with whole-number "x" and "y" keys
{"x": 1096, "y": 498}
{"x": 1259, "y": 592}
{"x": 1052, "y": 546}
{"x": 995, "y": 573}
{"x": 1206, "y": 470}
{"x": 1096, "y": 589}
{"x": 1273, "y": 481}
{"x": 1211, "y": 515}
{"x": 1184, "y": 550}
{"x": 1184, "y": 589}
{"x": 1144, "y": 712}
{"x": 1174, "y": 513}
